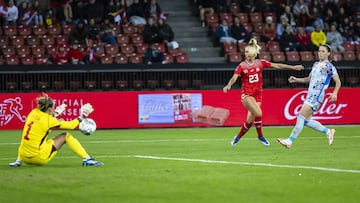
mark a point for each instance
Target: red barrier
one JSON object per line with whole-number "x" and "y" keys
{"x": 176, "y": 108}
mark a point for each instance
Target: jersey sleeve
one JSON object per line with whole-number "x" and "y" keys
{"x": 55, "y": 123}
{"x": 238, "y": 69}
{"x": 265, "y": 63}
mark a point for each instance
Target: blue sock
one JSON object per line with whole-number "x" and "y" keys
{"x": 298, "y": 128}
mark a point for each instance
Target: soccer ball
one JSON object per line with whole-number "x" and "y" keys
{"x": 87, "y": 126}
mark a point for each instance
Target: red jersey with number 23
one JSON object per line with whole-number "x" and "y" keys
{"x": 251, "y": 77}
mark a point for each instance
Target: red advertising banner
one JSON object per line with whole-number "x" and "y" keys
{"x": 148, "y": 109}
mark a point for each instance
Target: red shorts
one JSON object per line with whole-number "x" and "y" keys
{"x": 256, "y": 94}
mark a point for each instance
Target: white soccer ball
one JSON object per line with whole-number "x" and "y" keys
{"x": 87, "y": 126}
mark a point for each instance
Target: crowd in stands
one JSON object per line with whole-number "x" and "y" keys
{"x": 85, "y": 32}
{"x": 284, "y": 28}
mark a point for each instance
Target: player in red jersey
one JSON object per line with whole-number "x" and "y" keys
{"x": 251, "y": 89}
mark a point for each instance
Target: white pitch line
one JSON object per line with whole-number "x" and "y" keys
{"x": 249, "y": 163}
{"x": 215, "y": 162}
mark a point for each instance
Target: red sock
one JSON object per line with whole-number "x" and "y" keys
{"x": 258, "y": 125}
{"x": 246, "y": 126}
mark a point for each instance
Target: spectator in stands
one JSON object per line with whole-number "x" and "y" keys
{"x": 136, "y": 14}
{"x": 220, "y": 6}
{"x": 151, "y": 32}
{"x": 78, "y": 33}
{"x": 334, "y": 39}
{"x": 304, "y": 39}
{"x": 61, "y": 55}
{"x": 287, "y": 40}
{"x": 153, "y": 55}
{"x": 239, "y": 32}
{"x": 94, "y": 10}
{"x": 78, "y": 8}
{"x": 332, "y": 5}
{"x": 38, "y": 17}
{"x": 23, "y": 8}
{"x": 205, "y": 6}
{"x": 317, "y": 19}
{"x": 90, "y": 54}
{"x": 108, "y": 36}
{"x": 268, "y": 32}
{"x": 93, "y": 30}
{"x": 12, "y": 13}
{"x": 75, "y": 55}
{"x": 329, "y": 19}
{"x": 348, "y": 30}
{"x": 116, "y": 12}
{"x": 318, "y": 37}
{"x": 289, "y": 15}
{"x": 299, "y": 5}
{"x": 166, "y": 34}
{"x": 152, "y": 9}
{"x": 350, "y": 7}
{"x": 57, "y": 9}
{"x": 304, "y": 19}
{"x": 281, "y": 26}
{"x": 68, "y": 14}
{"x": 50, "y": 18}
{"x": 223, "y": 33}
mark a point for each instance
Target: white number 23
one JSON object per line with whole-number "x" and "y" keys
{"x": 253, "y": 78}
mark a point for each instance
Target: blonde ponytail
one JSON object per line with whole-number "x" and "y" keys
{"x": 253, "y": 47}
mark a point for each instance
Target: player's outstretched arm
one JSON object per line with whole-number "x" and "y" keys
{"x": 286, "y": 66}
{"x": 230, "y": 83}
{"x": 293, "y": 79}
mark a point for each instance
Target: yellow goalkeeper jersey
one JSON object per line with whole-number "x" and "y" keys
{"x": 36, "y": 129}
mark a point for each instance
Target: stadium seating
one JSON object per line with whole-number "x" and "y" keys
{"x": 168, "y": 84}
{"x": 292, "y": 56}
{"x": 106, "y": 84}
{"x": 235, "y": 57}
{"x": 59, "y": 85}
{"x": 90, "y": 85}
{"x": 121, "y": 59}
{"x": 122, "y": 84}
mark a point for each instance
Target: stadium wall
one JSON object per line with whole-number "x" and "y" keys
{"x": 180, "y": 108}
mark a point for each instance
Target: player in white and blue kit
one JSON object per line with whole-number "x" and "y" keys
{"x": 319, "y": 79}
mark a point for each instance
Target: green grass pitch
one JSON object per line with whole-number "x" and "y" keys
{"x": 190, "y": 165}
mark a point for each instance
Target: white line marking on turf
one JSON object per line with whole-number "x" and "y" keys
{"x": 249, "y": 163}
{"x": 215, "y": 162}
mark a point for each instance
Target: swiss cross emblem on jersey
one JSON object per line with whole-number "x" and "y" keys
{"x": 246, "y": 71}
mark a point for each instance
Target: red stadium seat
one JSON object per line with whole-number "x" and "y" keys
{"x": 137, "y": 38}
{"x": 59, "y": 85}
{"x": 24, "y": 30}
{"x": 90, "y": 84}
{"x": 39, "y": 30}
{"x": 183, "y": 84}
{"x": 152, "y": 84}
{"x": 243, "y": 17}
{"x": 66, "y": 29}
{"x": 38, "y": 50}
{"x": 265, "y": 55}
{"x": 278, "y": 56}
{"x": 117, "y": 29}
{"x": 141, "y": 48}
{"x": 168, "y": 84}
{"x": 234, "y": 8}
{"x": 4, "y": 40}
{"x": 122, "y": 39}
{"x": 11, "y": 86}
{"x": 272, "y": 14}
{"x": 26, "y": 86}
{"x": 23, "y": 50}
{"x": 54, "y": 29}
{"x": 235, "y": 57}
{"x": 8, "y": 50}
{"x": 248, "y": 27}
{"x": 41, "y": 59}
{"x": 211, "y": 18}
{"x": 242, "y": 46}
{"x": 337, "y": 56}
{"x": 51, "y": 49}
{"x": 121, "y": 59}
{"x": 160, "y": 47}
{"x": 27, "y": 59}
{"x": 169, "y": 58}
{"x": 128, "y": 29}
{"x": 273, "y": 46}
{"x": 292, "y": 56}
{"x": 17, "y": 40}
{"x": 349, "y": 46}
{"x": 122, "y": 84}
{"x": 106, "y": 59}
{"x": 32, "y": 40}
{"x": 62, "y": 39}
{"x": 307, "y": 56}
{"x": 106, "y": 84}
{"x": 112, "y": 49}
{"x": 10, "y": 30}
{"x": 256, "y": 17}
{"x": 136, "y": 59}
{"x": 12, "y": 59}
{"x": 182, "y": 58}
{"x": 258, "y": 27}
{"x": 138, "y": 84}
{"x": 230, "y": 47}
{"x": 48, "y": 39}
{"x": 227, "y": 16}
{"x": 349, "y": 56}
{"x": 127, "y": 49}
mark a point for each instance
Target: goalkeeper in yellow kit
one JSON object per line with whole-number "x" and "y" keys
{"x": 35, "y": 147}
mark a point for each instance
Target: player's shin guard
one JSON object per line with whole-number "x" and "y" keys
{"x": 316, "y": 125}
{"x": 258, "y": 125}
{"x": 298, "y": 128}
{"x": 75, "y": 146}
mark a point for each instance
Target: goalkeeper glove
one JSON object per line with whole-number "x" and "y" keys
{"x": 59, "y": 110}
{"x": 85, "y": 110}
